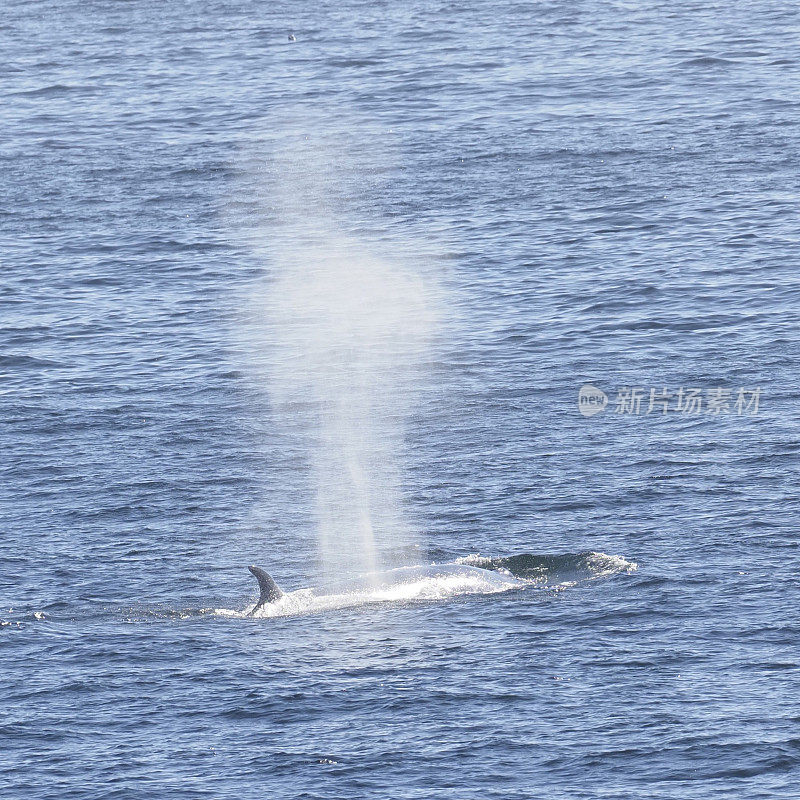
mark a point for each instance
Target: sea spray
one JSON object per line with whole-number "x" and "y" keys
{"x": 343, "y": 324}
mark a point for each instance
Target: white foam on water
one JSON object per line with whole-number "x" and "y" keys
{"x": 603, "y": 565}
{"x": 588, "y": 566}
{"x": 435, "y": 582}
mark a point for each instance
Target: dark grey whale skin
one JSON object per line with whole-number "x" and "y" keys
{"x": 269, "y": 589}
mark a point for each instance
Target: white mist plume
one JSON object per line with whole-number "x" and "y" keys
{"x": 344, "y": 326}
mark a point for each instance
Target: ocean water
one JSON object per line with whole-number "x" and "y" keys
{"x": 495, "y": 204}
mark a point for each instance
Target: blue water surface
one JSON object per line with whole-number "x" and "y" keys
{"x": 606, "y": 193}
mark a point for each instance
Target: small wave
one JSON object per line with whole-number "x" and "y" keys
{"x": 707, "y": 61}
{"x": 54, "y": 90}
{"x": 9, "y": 360}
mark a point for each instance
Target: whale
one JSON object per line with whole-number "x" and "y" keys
{"x": 425, "y": 582}
{"x": 467, "y": 575}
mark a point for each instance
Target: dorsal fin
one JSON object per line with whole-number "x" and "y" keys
{"x": 269, "y": 589}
